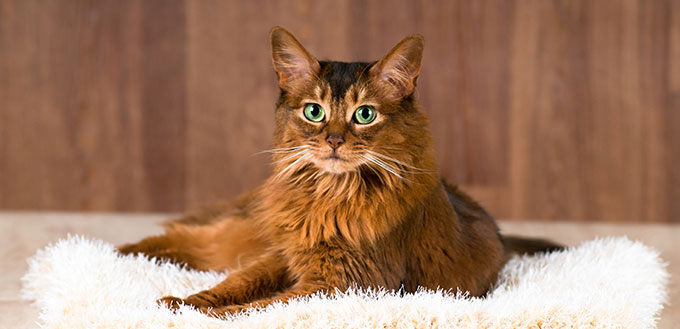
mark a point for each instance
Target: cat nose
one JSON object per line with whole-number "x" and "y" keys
{"x": 335, "y": 141}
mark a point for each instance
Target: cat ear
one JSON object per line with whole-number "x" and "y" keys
{"x": 397, "y": 72}
{"x": 293, "y": 64}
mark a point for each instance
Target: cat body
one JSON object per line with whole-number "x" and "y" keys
{"x": 355, "y": 199}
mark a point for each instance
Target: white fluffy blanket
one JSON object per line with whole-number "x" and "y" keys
{"x": 604, "y": 283}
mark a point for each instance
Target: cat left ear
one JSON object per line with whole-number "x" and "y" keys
{"x": 397, "y": 72}
{"x": 294, "y": 65}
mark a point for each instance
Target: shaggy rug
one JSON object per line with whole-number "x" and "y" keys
{"x": 604, "y": 283}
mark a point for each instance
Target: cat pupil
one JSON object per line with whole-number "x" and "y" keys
{"x": 315, "y": 110}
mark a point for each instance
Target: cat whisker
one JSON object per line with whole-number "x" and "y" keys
{"x": 383, "y": 165}
{"x": 389, "y": 148}
{"x": 389, "y": 158}
{"x": 292, "y": 165}
{"x": 377, "y": 174}
{"x": 283, "y": 149}
{"x": 395, "y": 169}
{"x": 296, "y": 154}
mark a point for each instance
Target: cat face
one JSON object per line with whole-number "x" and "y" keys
{"x": 337, "y": 118}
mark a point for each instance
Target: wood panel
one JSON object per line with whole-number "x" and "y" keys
{"x": 541, "y": 109}
{"x": 92, "y": 104}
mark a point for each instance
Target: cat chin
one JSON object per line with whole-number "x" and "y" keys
{"x": 334, "y": 166}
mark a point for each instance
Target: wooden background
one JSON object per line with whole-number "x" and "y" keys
{"x": 541, "y": 109}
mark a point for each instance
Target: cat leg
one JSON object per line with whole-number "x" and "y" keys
{"x": 164, "y": 248}
{"x": 318, "y": 275}
{"x": 263, "y": 278}
{"x": 283, "y": 297}
{"x": 227, "y": 243}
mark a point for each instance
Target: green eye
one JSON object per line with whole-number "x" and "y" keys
{"x": 314, "y": 112}
{"x": 364, "y": 114}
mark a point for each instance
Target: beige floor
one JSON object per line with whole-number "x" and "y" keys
{"x": 23, "y": 233}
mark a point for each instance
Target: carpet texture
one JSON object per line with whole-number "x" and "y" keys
{"x": 603, "y": 283}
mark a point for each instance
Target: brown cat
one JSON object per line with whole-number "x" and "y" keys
{"x": 355, "y": 199}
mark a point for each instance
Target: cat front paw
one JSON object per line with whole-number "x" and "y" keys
{"x": 129, "y": 248}
{"x": 221, "y": 312}
{"x": 198, "y": 301}
{"x": 170, "y": 302}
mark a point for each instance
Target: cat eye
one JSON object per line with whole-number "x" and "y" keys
{"x": 364, "y": 114}
{"x": 314, "y": 112}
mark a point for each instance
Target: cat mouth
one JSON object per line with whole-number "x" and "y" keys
{"x": 335, "y": 157}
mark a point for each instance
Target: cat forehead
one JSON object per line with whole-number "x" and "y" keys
{"x": 340, "y": 76}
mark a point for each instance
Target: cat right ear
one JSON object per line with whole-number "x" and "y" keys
{"x": 398, "y": 71}
{"x": 294, "y": 66}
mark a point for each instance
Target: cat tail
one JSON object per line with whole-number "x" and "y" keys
{"x": 521, "y": 245}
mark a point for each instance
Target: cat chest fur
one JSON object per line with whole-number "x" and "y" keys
{"x": 357, "y": 241}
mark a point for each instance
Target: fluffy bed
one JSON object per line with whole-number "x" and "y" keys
{"x": 604, "y": 283}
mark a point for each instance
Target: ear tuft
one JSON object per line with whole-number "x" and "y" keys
{"x": 293, "y": 64}
{"x": 398, "y": 70}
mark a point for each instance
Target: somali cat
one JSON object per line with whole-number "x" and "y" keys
{"x": 355, "y": 199}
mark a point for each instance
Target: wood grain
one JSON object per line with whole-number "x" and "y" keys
{"x": 541, "y": 109}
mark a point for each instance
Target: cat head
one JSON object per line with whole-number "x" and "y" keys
{"x": 336, "y": 118}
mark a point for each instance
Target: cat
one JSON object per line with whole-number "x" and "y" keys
{"x": 355, "y": 200}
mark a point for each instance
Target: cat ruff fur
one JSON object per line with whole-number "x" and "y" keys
{"x": 603, "y": 283}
